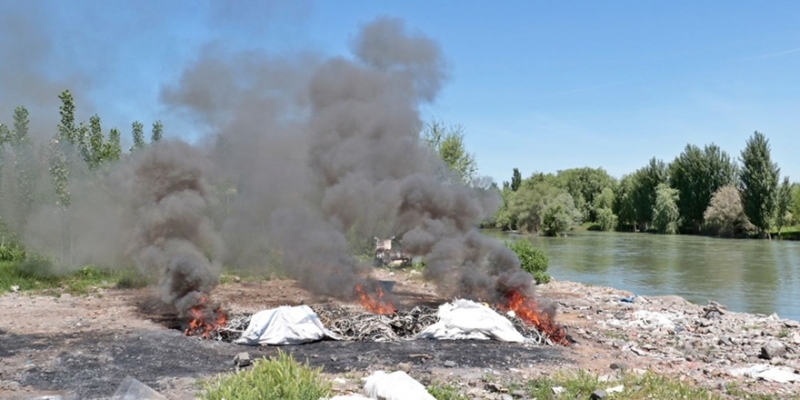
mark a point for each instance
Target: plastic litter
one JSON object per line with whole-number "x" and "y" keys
{"x": 768, "y": 372}
{"x": 465, "y": 319}
{"x": 285, "y": 325}
{"x": 395, "y": 386}
{"x": 132, "y": 389}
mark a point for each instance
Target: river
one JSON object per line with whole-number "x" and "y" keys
{"x": 755, "y": 276}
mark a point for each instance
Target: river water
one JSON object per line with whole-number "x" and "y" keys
{"x": 755, "y": 276}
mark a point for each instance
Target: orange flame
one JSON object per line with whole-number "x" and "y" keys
{"x": 375, "y": 304}
{"x": 203, "y": 320}
{"x": 527, "y": 309}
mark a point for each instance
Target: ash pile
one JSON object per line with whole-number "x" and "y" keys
{"x": 461, "y": 319}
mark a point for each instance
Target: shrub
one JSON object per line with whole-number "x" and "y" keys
{"x": 280, "y": 377}
{"x": 532, "y": 260}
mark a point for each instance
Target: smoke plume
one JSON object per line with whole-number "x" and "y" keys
{"x": 306, "y": 159}
{"x": 326, "y": 152}
{"x": 172, "y": 236}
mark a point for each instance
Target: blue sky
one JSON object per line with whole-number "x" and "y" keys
{"x": 540, "y": 86}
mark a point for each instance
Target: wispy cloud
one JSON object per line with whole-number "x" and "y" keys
{"x": 770, "y": 55}
{"x": 586, "y": 89}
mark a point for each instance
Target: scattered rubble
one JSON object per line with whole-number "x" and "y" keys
{"x": 669, "y": 335}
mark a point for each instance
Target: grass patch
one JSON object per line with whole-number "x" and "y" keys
{"x": 279, "y": 377}
{"x": 580, "y": 385}
{"x": 37, "y": 274}
{"x": 444, "y": 391}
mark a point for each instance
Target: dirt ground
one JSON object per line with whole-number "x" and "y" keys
{"x": 82, "y": 347}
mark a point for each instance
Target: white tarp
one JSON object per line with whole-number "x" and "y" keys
{"x": 465, "y": 319}
{"x": 768, "y": 373}
{"x": 395, "y": 386}
{"x": 284, "y": 325}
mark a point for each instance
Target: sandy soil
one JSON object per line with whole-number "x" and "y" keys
{"x": 82, "y": 347}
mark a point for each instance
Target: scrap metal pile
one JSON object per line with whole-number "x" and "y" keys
{"x": 355, "y": 325}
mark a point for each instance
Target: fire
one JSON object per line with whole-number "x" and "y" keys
{"x": 375, "y": 303}
{"x": 202, "y": 320}
{"x": 527, "y": 309}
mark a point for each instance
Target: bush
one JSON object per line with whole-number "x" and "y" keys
{"x": 532, "y": 260}
{"x": 277, "y": 378}
{"x": 11, "y": 252}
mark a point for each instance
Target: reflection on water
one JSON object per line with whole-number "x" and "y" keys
{"x": 756, "y": 276}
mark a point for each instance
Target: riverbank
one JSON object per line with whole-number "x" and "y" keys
{"x": 707, "y": 345}
{"x": 87, "y": 344}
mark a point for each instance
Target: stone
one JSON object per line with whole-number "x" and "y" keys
{"x": 598, "y": 394}
{"x": 406, "y": 367}
{"x": 557, "y": 390}
{"x": 493, "y": 387}
{"x": 449, "y": 364}
{"x": 619, "y": 366}
{"x": 506, "y": 397}
{"x": 519, "y": 393}
{"x": 791, "y": 323}
{"x": 795, "y": 338}
{"x": 772, "y": 349}
{"x": 242, "y": 359}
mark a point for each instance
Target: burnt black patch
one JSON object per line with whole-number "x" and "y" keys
{"x": 92, "y": 365}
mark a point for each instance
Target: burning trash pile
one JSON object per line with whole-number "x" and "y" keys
{"x": 518, "y": 321}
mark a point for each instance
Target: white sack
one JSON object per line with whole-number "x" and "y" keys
{"x": 284, "y": 325}
{"x": 395, "y": 386}
{"x": 768, "y": 372}
{"x": 465, "y": 319}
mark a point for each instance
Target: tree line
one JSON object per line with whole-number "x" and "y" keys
{"x": 702, "y": 191}
{"x": 34, "y": 174}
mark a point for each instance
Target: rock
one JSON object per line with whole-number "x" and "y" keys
{"x": 406, "y": 367}
{"x": 493, "y": 387}
{"x": 772, "y": 349}
{"x": 449, "y": 364}
{"x": 242, "y": 359}
{"x": 791, "y": 324}
{"x": 557, "y": 390}
{"x": 519, "y": 393}
{"x": 598, "y": 394}
{"x": 795, "y": 338}
{"x": 15, "y": 288}
{"x": 619, "y": 366}
{"x": 506, "y": 397}
{"x": 334, "y": 358}
{"x": 616, "y": 389}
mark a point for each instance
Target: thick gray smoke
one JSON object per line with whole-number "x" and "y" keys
{"x": 306, "y": 159}
{"x": 324, "y": 153}
{"x": 172, "y": 236}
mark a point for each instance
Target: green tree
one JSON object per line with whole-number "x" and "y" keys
{"x": 516, "y": 180}
{"x": 795, "y": 204}
{"x": 758, "y": 182}
{"x": 783, "y": 214}
{"x": 158, "y": 132}
{"x": 138, "y": 136}
{"x": 606, "y": 219}
{"x": 725, "y": 214}
{"x": 67, "y": 132}
{"x": 96, "y": 145}
{"x": 560, "y": 215}
{"x": 21, "y": 122}
{"x": 583, "y": 184}
{"x": 25, "y": 166}
{"x": 448, "y": 143}
{"x": 624, "y": 206}
{"x": 643, "y": 196}
{"x": 113, "y": 148}
{"x": 666, "y": 216}
{"x": 697, "y": 174}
